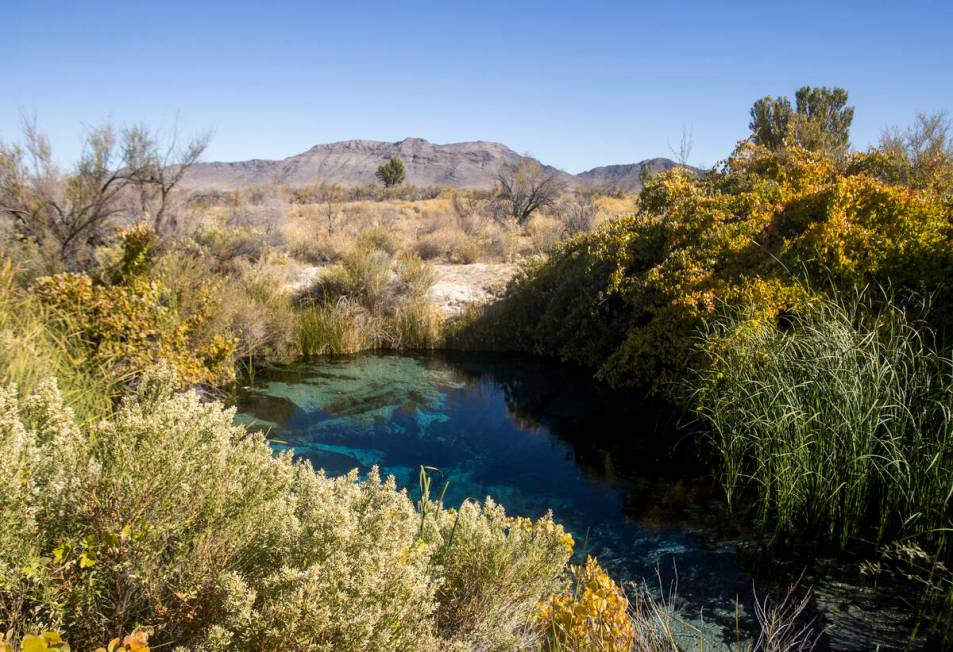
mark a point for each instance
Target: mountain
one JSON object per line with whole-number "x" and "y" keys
{"x": 627, "y": 176}
{"x": 354, "y": 162}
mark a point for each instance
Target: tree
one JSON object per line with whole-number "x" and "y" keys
{"x": 820, "y": 120}
{"x": 129, "y": 177}
{"x": 525, "y": 188}
{"x": 330, "y": 195}
{"x": 161, "y": 167}
{"x": 923, "y": 153}
{"x": 769, "y": 121}
{"x": 391, "y": 173}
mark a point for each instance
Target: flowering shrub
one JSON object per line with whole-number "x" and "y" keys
{"x": 168, "y": 517}
{"x": 45, "y": 642}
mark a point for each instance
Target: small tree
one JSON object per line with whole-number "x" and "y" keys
{"x": 819, "y": 120}
{"x": 391, "y": 173}
{"x": 525, "y": 188}
{"x": 129, "y": 177}
{"x": 923, "y": 152}
{"x": 329, "y": 196}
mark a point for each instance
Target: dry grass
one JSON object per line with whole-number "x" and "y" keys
{"x": 456, "y": 227}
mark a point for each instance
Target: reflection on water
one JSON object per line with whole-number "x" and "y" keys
{"x": 536, "y": 436}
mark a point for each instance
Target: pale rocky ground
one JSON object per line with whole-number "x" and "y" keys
{"x": 460, "y": 285}
{"x": 456, "y": 286}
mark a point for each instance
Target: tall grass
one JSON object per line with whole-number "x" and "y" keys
{"x": 375, "y": 299}
{"x": 35, "y": 344}
{"x": 837, "y": 426}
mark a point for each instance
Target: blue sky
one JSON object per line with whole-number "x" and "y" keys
{"x": 575, "y": 84}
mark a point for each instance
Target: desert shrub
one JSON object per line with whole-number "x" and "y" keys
{"x": 629, "y": 299}
{"x": 577, "y": 212}
{"x": 317, "y": 246}
{"x": 379, "y": 238}
{"x": 494, "y": 567}
{"x": 227, "y": 246}
{"x": 838, "y": 425}
{"x": 466, "y": 251}
{"x": 502, "y": 244}
{"x": 129, "y": 327}
{"x": 544, "y": 233}
{"x": 452, "y": 244}
{"x": 168, "y": 517}
{"x": 430, "y": 246}
{"x": 591, "y": 614}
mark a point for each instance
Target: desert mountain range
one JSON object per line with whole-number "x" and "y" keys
{"x": 353, "y": 162}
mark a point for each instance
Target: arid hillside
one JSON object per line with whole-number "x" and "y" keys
{"x": 472, "y": 165}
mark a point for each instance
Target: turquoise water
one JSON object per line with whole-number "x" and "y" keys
{"x": 537, "y": 436}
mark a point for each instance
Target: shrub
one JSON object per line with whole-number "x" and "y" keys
{"x": 372, "y": 300}
{"x": 466, "y": 251}
{"x": 629, "y": 299}
{"x": 133, "y": 325}
{"x": 593, "y": 614}
{"x": 494, "y": 569}
{"x": 168, "y": 517}
{"x": 32, "y": 349}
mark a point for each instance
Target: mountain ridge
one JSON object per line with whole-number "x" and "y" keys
{"x": 468, "y": 164}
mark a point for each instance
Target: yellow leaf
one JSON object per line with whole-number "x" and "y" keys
{"x": 33, "y": 644}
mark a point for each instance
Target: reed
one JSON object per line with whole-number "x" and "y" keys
{"x": 838, "y": 425}
{"x": 36, "y": 344}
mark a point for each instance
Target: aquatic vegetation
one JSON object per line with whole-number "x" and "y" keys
{"x": 838, "y": 426}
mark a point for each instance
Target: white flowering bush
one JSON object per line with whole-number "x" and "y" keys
{"x": 168, "y": 518}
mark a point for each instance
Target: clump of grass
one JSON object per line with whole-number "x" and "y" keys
{"x": 837, "y": 426}
{"x": 34, "y": 345}
{"x": 375, "y": 299}
{"x": 334, "y": 329}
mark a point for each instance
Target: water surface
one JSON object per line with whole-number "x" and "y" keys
{"x": 536, "y": 436}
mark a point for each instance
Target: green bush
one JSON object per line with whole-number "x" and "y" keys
{"x": 167, "y": 517}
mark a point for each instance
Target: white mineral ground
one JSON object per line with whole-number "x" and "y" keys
{"x": 455, "y": 286}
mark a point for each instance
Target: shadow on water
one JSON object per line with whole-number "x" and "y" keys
{"x": 618, "y": 471}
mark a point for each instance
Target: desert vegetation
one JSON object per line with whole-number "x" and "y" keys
{"x": 795, "y": 299}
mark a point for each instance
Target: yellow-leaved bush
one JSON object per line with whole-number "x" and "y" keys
{"x": 629, "y": 299}
{"x": 592, "y": 614}
{"x": 138, "y": 641}
{"x": 129, "y": 321}
{"x": 168, "y": 518}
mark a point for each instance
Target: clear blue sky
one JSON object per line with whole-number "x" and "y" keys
{"x": 577, "y": 85}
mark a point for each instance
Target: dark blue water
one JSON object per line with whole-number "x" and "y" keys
{"x": 617, "y": 471}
